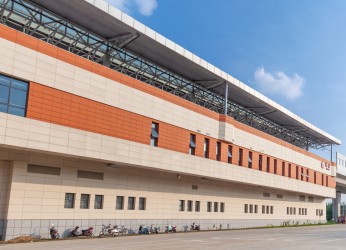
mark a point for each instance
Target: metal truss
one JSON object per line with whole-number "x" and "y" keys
{"x": 111, "y": 52}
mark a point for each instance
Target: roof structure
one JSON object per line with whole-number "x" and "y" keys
{"x": 166, "y": 64}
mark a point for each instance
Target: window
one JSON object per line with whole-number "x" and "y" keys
{"x": 315, "y": 179}
{"x": 271, "y": 209}
{"x": 250, "y": 160}
{"x": 263, "y": 209}
{"x": 120, "y": 203}
{"x": 209, "y": 206}
{"x": 266, "y": 194}
{"x": 218, "y": 151}
{"x": 288, "y": 210}
{"x": 229, "y": 158}
{"x": 256, "y": 209}
{"x": 181, "y": 205}
{"x": 69, "y": 200}
{"x": 301, "y": 197}
{"x": 302, "y": 174}
{"x": 192, "y": 150}
{"x": 131, "y": 201}
{"x": 260, "y": 160}
{"x": 142, "y": 203}
{"x": 267, "y": 211}
{"x": 222, "y": 207}
{"x": 291, "y": 210}
{"x": 189, "y": 206}
{"x": 289, "y": 170}
{"x": 98, "y": 203}
{"x": 268, "y": 165}
{"x": 206, "y": 148}
{"x": 154, "y": 134}
{"x": 246, "y": 208}
{"x": 283, "y": 169}
{"x": 240, "y": 159}
{"x": 216, "y": 207}
{"x": 197, "y": 206}
{"x": 307, "y": 175}
{"x": 275, "y": 166}
{"x": 297, "y": 172}
{"x": 13, "y": 96}
{"x": 310, "y": 199}
{"x": 300, "y": 211}
{"x": 279, "y": 196}
{"x": 84, "y": 201}
{"x": 251, "y": 208}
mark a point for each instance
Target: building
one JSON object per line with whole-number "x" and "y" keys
{"x": 103, "y": 120}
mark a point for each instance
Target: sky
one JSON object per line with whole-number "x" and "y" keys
{"x": 293, "y": 51}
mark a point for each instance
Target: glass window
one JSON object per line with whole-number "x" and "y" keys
{"x": 267, "y": 210}
{"x": 120, "y": 203}
{"x": 216, "y": 207}
{"x": 192, "y": 150}
{"x": 283, "y": 169}
{"x": 229, "y": 154}
{"x": 189, "y": 206}
{"x": 246, "y": 208}
{"x": 263, "y": 209}
{"x": 13, "y": 96}
{"x": 69, "y": 200}
{"x": 197, "y": 206}
{"x": 307, "y": 175}
{"x": 268, "y": 165}
{"x": 222, "y": 207}
{"x": 142, "y": 203}
{"x": 260, "y": 160}
{"x": 218, "y": 151}
{"x": 206, "y": 148}
{"x": 256, "y": 209}
{"x": 181, "y": 205}
{"x": 209, "y": 206}
{"x": 251, "y": 208}
{"x": 84, "y": 201}
{"x": 271, "y": 209}
{"x": 250, "y": 160}
{"x": 240, "y": 159}
{"x": 131, "y": 203}
{"x": 98, "y": 204}
{"x": 154, "y": 134}
{"x": 275, "y": 166}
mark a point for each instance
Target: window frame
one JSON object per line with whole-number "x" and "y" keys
{"x": 154, "y": 136}
{"x": 119, "y": 206}
{"x": 86, "y": 202}
{"x": 73, "y": 200}
{"x": 131, "y": 203}
{"x": 98, "y": 204}
{"x": 142, "y": 203}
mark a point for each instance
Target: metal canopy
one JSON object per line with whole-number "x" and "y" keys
{"x": 191, "y": 77}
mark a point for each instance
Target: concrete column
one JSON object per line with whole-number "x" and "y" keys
{"x": 336, "y": 206}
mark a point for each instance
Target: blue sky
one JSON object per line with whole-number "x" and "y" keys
{"x": 291, "y": 51}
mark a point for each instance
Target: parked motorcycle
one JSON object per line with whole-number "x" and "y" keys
{"x": 109, "y": 231}
{"x": 195, "y": 227}
{"x": 143, "y": 230}
{"x": 154, "y": 230}
{"x": 88, "y": 232}
{"x": 171, "y": 229}
{"x": 122, "y": 229}
{"x": 75, "y": 232}
{"x": 53, "y": 233}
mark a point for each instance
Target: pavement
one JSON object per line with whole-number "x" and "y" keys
{"x": 312, "y": 237}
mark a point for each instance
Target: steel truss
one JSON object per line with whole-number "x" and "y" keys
{"x": 40, "y": 23}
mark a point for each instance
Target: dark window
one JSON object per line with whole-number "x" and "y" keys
{"x": 260, "y": 159}
{"x": 37, "y": 169}
{"x": 98, "y": 204}
{"x": 288, "y": 210}
{"x": 250, "y": 160}
{"x": 120, "y": 203}
{"x": 229, "y": 158}
{"x": 300, "y": 211}
{"x": 302, "y": 174}
{"x": 297, "y": 172}
{"x": 197, "y": 206}
{"x": 89, "y": 175}
{"x": 181, "y": 205}
{"x": 154, "y": 134}
{"x": 218, "y": 151}
{"x": 307, "y": 175}
{"x": 206, "y": 148}
{"x": 310, "y": 199}
{"x": 251, "y": 208}
{"x": 289, "y": 170}
{"x": 189, "y": 206}
{"x": 246, "y": 208}
{"x": 279, "y": 196}
{"x": 301, "y": 197}
{"x": 267, "y": 210}
{"x": 263, "y": 209}
{"x": 13, "y": 96}
{"x": 84, "y": 201}
{"x": 283, "y": 169}
{"x": 131, "y": 201}
{"x": 142, "y": 203}
{"x": 256, "y": 209}
{"x": 327, "y": 180}
{"x": 222, "y": 207}
{"x": 271, "y": 209}
{"x": 216, "y": 207}
{"x": 275, "y": 166}
{"x": 192, "y": 150}
{"x": 268, "y": 165}
{"x": 69, "y": 200}
{"x": 209, "y": 204}
{"x": 266, "y": 194}
{"x": 240, "y": 159}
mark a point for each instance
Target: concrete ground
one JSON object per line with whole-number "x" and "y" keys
{"x": 315, "y": 237}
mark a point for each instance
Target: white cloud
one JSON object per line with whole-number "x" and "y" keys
{"x": 145, "y": 7}
{"x": 279, "y": 83}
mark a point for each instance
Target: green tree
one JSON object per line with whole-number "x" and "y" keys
{"x": 329, "y": 211}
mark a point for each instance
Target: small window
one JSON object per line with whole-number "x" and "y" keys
{"x": 275, "y": 166}
{"x": 206, "y": 148}
{"x": 291, "y": 210}
{"x": 288, "y": 210}
{"x": 266, "y": 194}
{"x": 246, "y": 208}
{"x": 306, "y": 211}
{"x": 256, "y": 209}
{"x": 289, "y": 170}
{"x": 263, "y": 209}
{"x": 268, "y": 165}
{"x": 300, "y": 211}
{"x": 192, "y": 150}
{"x": 142, "y": 203}
{"x": 302, "y": 174}
{"x": 69, "y": 200}
{"x": 181, "y": 205}
{"x": 131, "y": 201}
{"x": 271, "y": 209}
{"x": 209, "y": 204}
{"x": 260, "y": 160}
{"x": 279, "y": 196}
{"x": 197, "y": 206}
{"x": 307, "y": 175}
{"x": 222, "y": 207}
{"x": 189, "y": 206}
{"x": 84, "y": 201}
{"x": 322, "y": 179}
{"x": 251, "y": 208}
{"x": 98, "y": 204}
{"x": 154, "y": 134}
{"x": 250, "y": 160}
{"x": 301, "y": 197}
{"x": 267, "y": 210}
{"x": 283, "y": 169}
{"x": 310, "y": 199}
{"x": 216, "y": 207}
{"x": 218, "y": 151}
{"x": 120, "y": 203}
{"x": 229, "y": 158}
{"x": 240, "y": 159}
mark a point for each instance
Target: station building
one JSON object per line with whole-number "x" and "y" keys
{"x": 103, "y": 120}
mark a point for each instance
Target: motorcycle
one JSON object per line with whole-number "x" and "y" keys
{"x": 122, "y": 230}
{"x": 171, "y": 229}
{"x": 53, "y": 233}
{"x": 88, "y": 232}
{"x": 154, "y": 229}
{"x": 109, "y": 231}
{"x": 195, "y": 227}
{"x": 75, "y": 232}
{"x": 143, "y": 230}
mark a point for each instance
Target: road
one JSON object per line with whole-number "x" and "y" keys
{"x": 314, "y": 237}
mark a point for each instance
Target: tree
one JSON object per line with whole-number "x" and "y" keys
{"x": 329, "y": 211}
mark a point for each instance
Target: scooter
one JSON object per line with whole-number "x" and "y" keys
{"x": 154, "y": 230}
{"x": 88, "y": 232}
{"x": 143, "y": 230}
{"x": 122, "y": 229}
{"x": 53, "y": 233}
{"x": 75, "y": 232}
{"x": 171, "y": 229}
{"x": 195, "y": 227}
{"x": 109, "y": 231}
